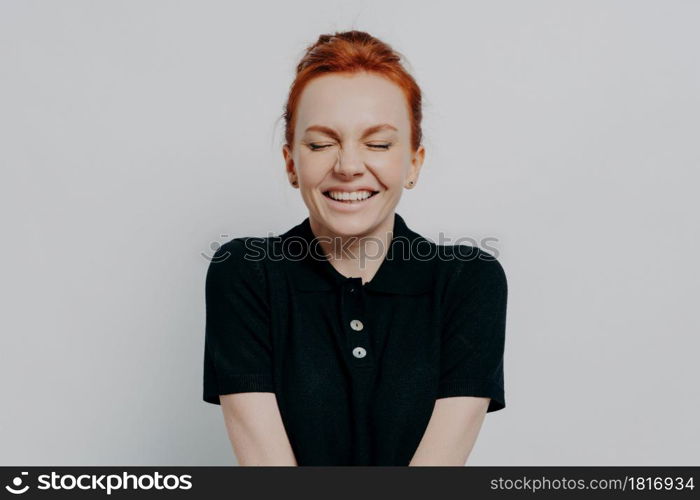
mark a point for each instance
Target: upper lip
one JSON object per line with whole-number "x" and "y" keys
{"x": 350, "y": 190}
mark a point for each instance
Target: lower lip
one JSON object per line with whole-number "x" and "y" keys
{"x": 354, "y": 206}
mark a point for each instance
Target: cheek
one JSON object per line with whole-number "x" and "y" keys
{"x": 391, "y": 168}
{"x": 313, "y": 167}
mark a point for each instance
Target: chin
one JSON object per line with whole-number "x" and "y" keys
{"x": 350, "y": 224}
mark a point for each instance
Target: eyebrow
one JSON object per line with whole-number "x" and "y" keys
{"x": 369, "y": 131}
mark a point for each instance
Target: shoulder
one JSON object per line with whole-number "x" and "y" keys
{"x": 241, "y": 251}
{"x": 237, "y": 260}
{"x": 470, "y": 268}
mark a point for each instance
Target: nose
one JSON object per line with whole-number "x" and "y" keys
{"x": 348, "y": 163}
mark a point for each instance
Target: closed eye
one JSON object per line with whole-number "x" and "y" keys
{"x": 320, "y": 147}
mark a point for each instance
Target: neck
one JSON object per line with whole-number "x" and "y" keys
{"x": 356, "y": 255}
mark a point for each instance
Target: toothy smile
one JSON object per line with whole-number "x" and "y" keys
{"x": 350, "y": 196}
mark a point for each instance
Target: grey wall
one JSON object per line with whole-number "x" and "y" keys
{"x": 135, "y": 134}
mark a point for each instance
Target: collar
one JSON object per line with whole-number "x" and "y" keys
{"x": 402, "y": 271}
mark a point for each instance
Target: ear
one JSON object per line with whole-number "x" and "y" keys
{"x": 416, "y": 164}
{"x": 288, "y": 159}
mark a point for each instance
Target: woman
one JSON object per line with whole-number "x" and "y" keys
{"x": 350, "y": 339}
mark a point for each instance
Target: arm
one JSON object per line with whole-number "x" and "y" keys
{"x": 471, "y": 371}
{"x": 255, "y": 429}
{"x": 238, "y": 370}
{"x": 451, "y": 432}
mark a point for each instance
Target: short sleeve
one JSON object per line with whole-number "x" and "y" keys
{"x": 473, "y": 336}
{"x": 237, "y": 344}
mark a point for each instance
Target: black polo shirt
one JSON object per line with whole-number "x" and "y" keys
{"x": 355, "y": 368}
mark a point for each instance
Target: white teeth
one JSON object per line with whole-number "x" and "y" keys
{"x": 353, "y": 196}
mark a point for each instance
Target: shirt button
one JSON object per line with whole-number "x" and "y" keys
{"x": 352, "y": 289}
{"x": 359, "y": 352}
{"x": 356, "y": 325}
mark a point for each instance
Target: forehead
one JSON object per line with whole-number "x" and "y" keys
{"x": 346, "y": 101}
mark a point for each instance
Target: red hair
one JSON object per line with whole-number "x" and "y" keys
{"x": 354, "y": 52}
